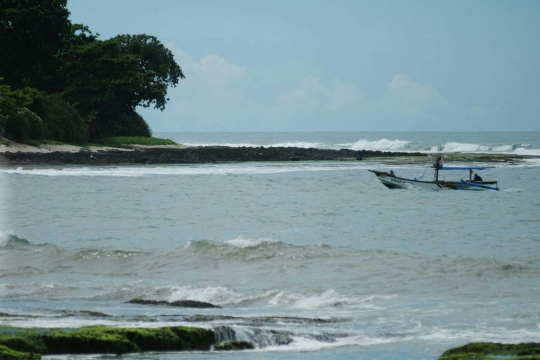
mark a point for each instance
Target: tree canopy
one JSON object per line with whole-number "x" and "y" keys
{"x": 105, "y": 80}
{"x": 109, "y": 79}
{"x": 32, "y": 33}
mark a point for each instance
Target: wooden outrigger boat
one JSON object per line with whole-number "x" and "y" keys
{"x": 391, "y": 181}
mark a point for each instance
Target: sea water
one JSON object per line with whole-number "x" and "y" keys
{"x": 320, "y": 253}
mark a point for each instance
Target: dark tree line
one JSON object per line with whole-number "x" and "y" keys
{"x": 77, "y": 86}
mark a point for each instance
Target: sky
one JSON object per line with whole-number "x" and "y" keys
{"x": 341, "y": 65}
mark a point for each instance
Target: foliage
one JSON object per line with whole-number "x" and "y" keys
{"x": 63, "y": 122}
{"x": 16, "y": 121}
{"x": 132, "y": 124}
{"x": 107, "y": 80}
{"x": 32, "y": 32}
{"x": 134, "y": 140}
{"x": 104, "y": 80}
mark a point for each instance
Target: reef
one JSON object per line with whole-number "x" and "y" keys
{"x": 492, "y": 351}
{"x": 18, "y": 343}
{"x": 180, "y": 303}
{"x": 191, "y": 155}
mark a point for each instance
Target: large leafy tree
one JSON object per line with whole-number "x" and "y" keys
{"x": 106, "y": 80}
{"x": 32, "y": 33}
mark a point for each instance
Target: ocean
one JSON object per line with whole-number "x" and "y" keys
{"x": 310, "y": 260}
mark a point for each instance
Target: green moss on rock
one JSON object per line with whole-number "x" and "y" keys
{"x": 488, "y": 351}
{"x": 9, "y": 354}
{"x": 234, "y": 345}
{"x": 101, "y": 339}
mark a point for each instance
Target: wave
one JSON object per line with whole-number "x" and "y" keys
{"x": 298, "y": 144}
{"x": 175, "y": 170}
{"x": 380, "y": 145}
{"x": 241, "y": 242}
{"x": 400, "y": 145}
{"x": 10, "y": 240}
{"x": 226, "y": 297}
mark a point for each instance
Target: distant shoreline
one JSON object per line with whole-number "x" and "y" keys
{"x": 22, "y": 154}
{"x": 180, "y": 154}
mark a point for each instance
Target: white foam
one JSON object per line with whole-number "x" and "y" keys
{"x": 491, "y": 334}
{"x": 451, "y": 147}
{"x": 299, "y": 144}
{"x": 379, "y": 145}
{"x": 455, "y": 147}
{"x": 329, "y": 298}
{"x": 243, "y": 242}
{"x": 4, "y": 237}
{"x": 221, "y": 169}
{"x": 217, "y": 295}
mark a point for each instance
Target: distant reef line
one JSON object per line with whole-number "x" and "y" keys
{"x": 191, "y": 155}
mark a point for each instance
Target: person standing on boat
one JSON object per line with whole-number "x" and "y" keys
{"x": 438, "y": 162}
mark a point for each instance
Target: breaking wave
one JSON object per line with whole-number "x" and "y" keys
{"x": 175, "y": 170}
{"x": 400, "y": 146}
{"x": 380, "y": 145}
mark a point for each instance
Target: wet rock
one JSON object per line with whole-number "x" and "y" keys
{"x": 234, "y": 345}
{"x": 485, "y": 351}
{"x": 103, "y": 340}
{"x": 203, "y": 154}
{"x": 10, "y": 354}
{"x": 181, "y": 303}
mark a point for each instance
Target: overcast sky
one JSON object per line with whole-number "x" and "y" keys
{"x": 352, "y": 65}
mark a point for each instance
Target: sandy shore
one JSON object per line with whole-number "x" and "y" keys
{"x": 14, "y": 147}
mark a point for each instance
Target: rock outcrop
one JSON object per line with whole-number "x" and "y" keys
{"x": 193, "y": 155}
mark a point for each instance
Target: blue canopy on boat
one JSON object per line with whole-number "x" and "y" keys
{"x": 461, "y": 168}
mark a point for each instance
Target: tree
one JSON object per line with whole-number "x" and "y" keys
{"x": 32, "y": 33}
{"x": 107, "y": 80}
{"x": 16, "y": 121}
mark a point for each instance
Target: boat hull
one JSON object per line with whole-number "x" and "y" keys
{"x": 395, "y": 182}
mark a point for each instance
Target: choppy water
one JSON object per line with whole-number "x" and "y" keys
{"x": 319, "y": 253}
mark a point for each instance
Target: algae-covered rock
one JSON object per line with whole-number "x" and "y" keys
{"x": 9, "y": 354}
{"x": 488, "y": 351}
{"x": 105, "y": 340}
{"x": 234, "y": 345}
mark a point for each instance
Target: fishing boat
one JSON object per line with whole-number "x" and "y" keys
{"x": 391, "y": 181}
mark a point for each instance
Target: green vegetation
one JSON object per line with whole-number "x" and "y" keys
{"x": 489, "y": 351}
{"x": 120, "y": 141}
{"x": 63, "y": 83}
{"x": 8, "y": 354}
{"x": 101, "y": 339}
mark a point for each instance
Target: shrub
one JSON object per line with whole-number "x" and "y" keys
{"x": 62, "y": 120}
{"x": 132, "y": 124}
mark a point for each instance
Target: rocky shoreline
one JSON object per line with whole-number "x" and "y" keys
{"x": 20, "y": 343}
{"x": 191, "y": 155}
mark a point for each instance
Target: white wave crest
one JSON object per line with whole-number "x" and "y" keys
{"x": 379, "y": 145}
{"x": 217, "y": 295}
{"x": 330, "y": 298}
{"x": 243, "y": 242}
{"x": 299, "y": 144}
{"x": 451, "y": 147}
{"x": 221, "y": 169}
{"x": 5, "y": 237}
